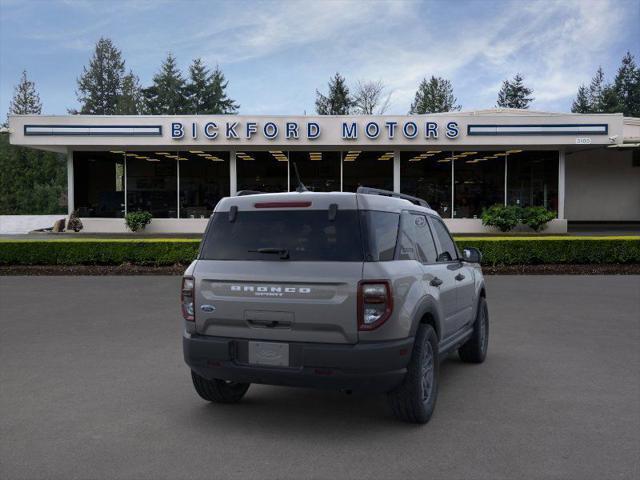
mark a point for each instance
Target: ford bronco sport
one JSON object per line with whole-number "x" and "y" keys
{"x": 361, "y": 291}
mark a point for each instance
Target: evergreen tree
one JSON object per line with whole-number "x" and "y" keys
{"x": 25, "y": 99}
{"x": 581, "y": 104}
{"x": 627, "y": 86}
{"x": 206, "y": 91}
{"x": 218, "y": 100}
{"x": 100, "y": 85}
{"x": 338, "y": 101}
{"x": 433, "y": 96}
{"x": 514, "y": 94}
{"x": 130, "y": 101}
{"x": 167, "y": 95}
{"x": 596, "y": 91}
{"x": 31, "y": 181}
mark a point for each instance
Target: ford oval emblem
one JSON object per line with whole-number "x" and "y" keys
{"x": 207, "y": 308}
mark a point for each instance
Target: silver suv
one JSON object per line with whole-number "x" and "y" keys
{"x": 361, "y": 291}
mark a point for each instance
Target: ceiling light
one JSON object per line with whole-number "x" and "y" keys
{"x": 141, "y": 157}
{"x": 131, "y": 154}
{"x": 116, "y": 151}
{"x": 514, "y": 151}
{"x": 434, "y": 151}
{"x": 444, "y": 160}
{"x": 152, "y": 160}
{"x": 196, "y": 151}
{"x": 162, "y": 153}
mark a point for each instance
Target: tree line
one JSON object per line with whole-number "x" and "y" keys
{"x": 33, "y": 181}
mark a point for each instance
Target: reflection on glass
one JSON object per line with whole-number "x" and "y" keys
{"x": 262, "y": 171}
{"x": 368, "y": 169}
{"x": 152, "y": 183}
{"x": 99, "y": 184}
{"x": 319, "y": 171}
{"x": 532, "y": 179}
{"x": 427, "y": 175}
{"x": 479, "y": 182}
{"x": 204, "y": 180}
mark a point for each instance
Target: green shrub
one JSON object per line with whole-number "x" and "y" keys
{"x": 98, "y": 252}
{"x": 504, "y": 218}
{"x": 137, "y": 220}
{"x": 495, "y": 251}
{"x": 536, "y": 217}
{"x": 563, "y": 250}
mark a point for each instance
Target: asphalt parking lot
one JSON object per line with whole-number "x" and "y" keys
{"x": 93, "y": 385}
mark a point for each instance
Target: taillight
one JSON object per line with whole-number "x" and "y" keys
{"x": 375, "y": 303}
{"x": 187, "y": 298}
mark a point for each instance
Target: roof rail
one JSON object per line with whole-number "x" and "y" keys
{"x": 388, "y": 193}
{"x": 243, "y": 193}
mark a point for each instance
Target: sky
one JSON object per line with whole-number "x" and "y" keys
{"x": 275, "y": 54}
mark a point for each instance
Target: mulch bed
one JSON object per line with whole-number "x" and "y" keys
{"x": 127, "y": 269}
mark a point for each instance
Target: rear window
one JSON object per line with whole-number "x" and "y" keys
{"x": 305, "y": 235}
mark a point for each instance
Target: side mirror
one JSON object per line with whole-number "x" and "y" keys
{"x": 471, "y": 255}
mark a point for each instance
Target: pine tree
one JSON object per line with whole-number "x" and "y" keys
{"x": 130, "y": 101}
{"x": 627, "y": 86}
{"x": 196, "y": 89}
{"x": 434, "y": 95}
{"x": 218, "y": 100}
{"x": 514, "y": 94}
{"x": 581, "y": 104}
{"x": 167, "y": 95}
{"x": 99, "y": 86}
{"x": 206, "y": 91}
{"x": 25, "y": 99}
{"x": 596, "y": 91}
{"x": 338, "y": 101}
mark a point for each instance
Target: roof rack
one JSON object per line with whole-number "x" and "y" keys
{"x": 243, "y": 193}
{"x": 388, "y": 193}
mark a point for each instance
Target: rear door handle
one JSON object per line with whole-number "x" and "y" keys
{"x": 459, "y": 277}
{"x": 436, "y": 282}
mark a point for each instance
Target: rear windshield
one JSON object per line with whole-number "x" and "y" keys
{"x": 284, "y": 235}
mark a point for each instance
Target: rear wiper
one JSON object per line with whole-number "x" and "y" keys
{"x": 283, "y": 252}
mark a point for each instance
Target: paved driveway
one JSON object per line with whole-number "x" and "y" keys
{"x": 92, "y": 385}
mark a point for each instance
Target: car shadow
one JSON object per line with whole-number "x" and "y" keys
{"x": 291, "y": 411}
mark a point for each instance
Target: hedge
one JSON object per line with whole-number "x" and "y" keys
{"x": 495, "y": 250}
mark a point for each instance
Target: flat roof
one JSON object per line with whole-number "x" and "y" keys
{"x": 479, "y": 128}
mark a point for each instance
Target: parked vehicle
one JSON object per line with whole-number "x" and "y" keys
{"x": 361, "y": 291}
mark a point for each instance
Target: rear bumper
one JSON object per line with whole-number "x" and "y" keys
{"x": 370, "y": 367}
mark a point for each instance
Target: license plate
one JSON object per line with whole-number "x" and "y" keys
{"x": 269, "y": 353}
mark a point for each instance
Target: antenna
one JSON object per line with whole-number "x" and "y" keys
{"x": 300, "y": 188}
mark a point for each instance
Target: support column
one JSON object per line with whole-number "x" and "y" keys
{"x": 396, "y": 171}
{"x": 70, "y": 184}
{"x": 506, "y": 169}
{"x": 233, "y": 176}
{"x": 561, "y": 177}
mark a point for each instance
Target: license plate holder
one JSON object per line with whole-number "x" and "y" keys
{"x": 269, "y": 353}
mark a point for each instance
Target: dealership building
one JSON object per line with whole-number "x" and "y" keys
{"x": 586, "y": 168}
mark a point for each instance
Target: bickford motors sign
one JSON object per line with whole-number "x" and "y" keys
{"x": 294, "y": 130}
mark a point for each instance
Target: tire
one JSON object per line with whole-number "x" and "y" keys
{"x": 219, "y": 391}
{"x": 474, "y": 350}
{"x": 415, "y": 399}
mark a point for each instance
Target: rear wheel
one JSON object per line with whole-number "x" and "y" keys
{"x": 415, "y": 399}
{"x": 474, "y": 350}
{"x": 219, "y": 391}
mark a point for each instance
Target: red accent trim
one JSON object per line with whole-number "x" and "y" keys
{"x": 187, "y": 317}
{"x": 282, "y": 204}
{"x": 387, "y": 313}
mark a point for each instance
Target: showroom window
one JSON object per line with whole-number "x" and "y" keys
{"x": 427, "y": 175}
{"x": 478, "y": 182}
{"x": 532, "y": 178}
{"x": 262, "y": 171}
{"x": 204, "y": 180}
{"x": 99, "y": 184}
{"x": 152, "y": 184}
{"x": 319, "y": 171}
{"x": 369, "y": 169}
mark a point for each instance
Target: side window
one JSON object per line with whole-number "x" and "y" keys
{"x": 381, "y": 234}
{"x": 448, "y": 248}
{"x": 424, "y": 240}
{"x": 407, "y": 240}
{"x": 416, "y": 242}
